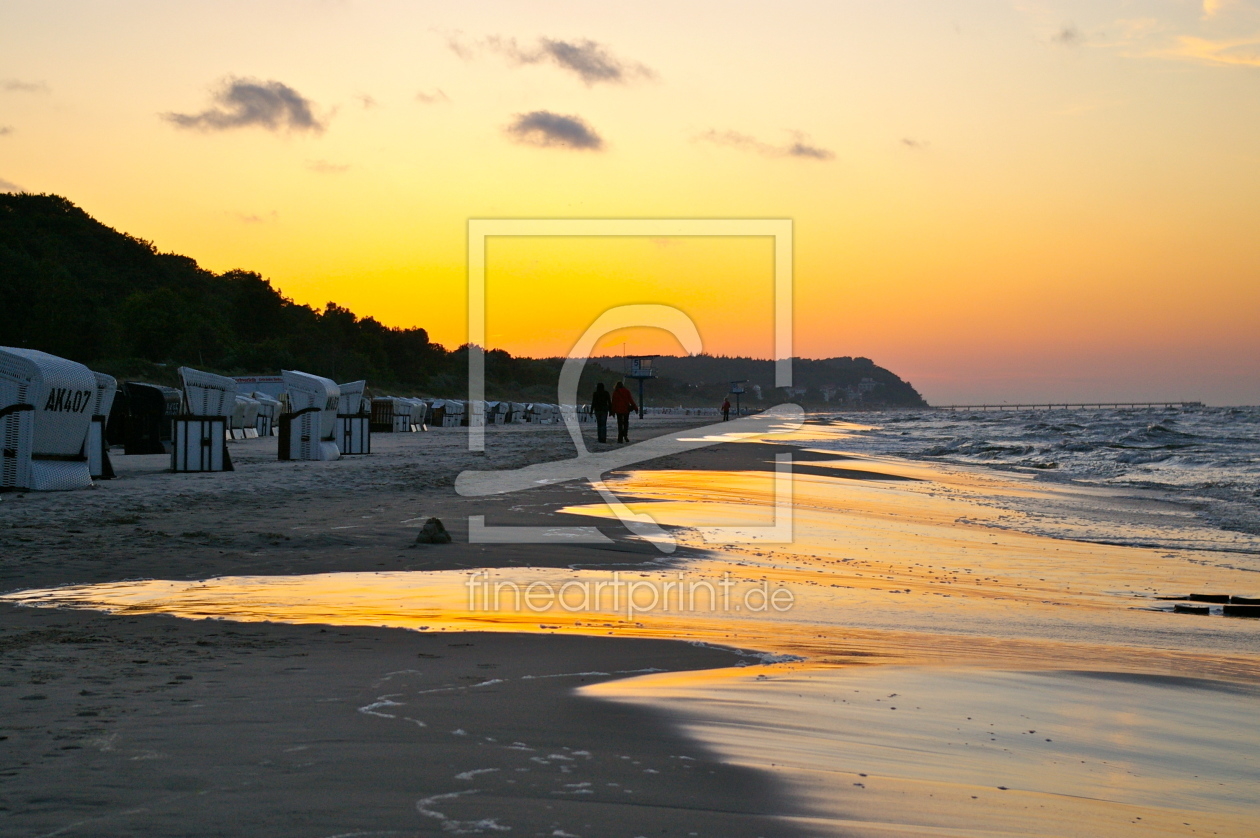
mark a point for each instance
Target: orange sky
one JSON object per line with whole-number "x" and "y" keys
{"x": 1016, "y": 200}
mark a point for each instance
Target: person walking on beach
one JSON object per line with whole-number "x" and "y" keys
{"x": 726, "y": 410}
{"x": 601, "y": 406}
{"x": 622, "y": 404}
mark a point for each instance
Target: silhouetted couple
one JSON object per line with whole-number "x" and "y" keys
{"x": 620, "y": 403}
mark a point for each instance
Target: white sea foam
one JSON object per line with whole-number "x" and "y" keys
{"x": 373, "y": 709}
{"x": 468, "y": 775}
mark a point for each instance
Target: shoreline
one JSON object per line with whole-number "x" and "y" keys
{"x": 364, "y": 526}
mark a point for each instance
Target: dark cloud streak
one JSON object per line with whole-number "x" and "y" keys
{"x": 245, "y": 103}
{"x": 9, "y": 186}
{"x": 800, "y": 147}
{"x": 19, "y": 86}
{"x": 588, "y": 60}
{"x": 550, "y": 130}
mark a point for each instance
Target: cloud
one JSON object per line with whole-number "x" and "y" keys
{"x": 465, "y": 51}
{"x": 19, "y": 86}
{"x": 9, "y": 186}
{"x": 323, "y": 167}
{"x": 1068, "y": 36}
{"x": 800, "y": 147}
{"x": 432, "y": 97}
{"x": 588, "y": 60}
{"x": 367, "y": 101}
{"x": 1211, "y": 7}
{"x": 913, "y": 144}
{"x": 1238, "y": 52}
{"x": 5, "y": 130}
{"x": 552, "y": 130}
{"x": 244, "y": 103}
{"x": 252, "y": 218}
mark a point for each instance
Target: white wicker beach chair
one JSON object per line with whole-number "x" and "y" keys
{"x": 46, "y": 409}
{"x": 249, "y": 425}
{"x": 96, "y": 449}
{"x": 268, "y": 412}
{"x": 199, "y": 433}
{"x": 308, "y": 431}
{"x": 455, "y": 414}
{"x": 419, "y": 414}
{"x": 354, "y": 433}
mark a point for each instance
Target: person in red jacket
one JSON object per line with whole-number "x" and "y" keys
{"x": 622, "y": 404}
{"x": 726, "y": 410}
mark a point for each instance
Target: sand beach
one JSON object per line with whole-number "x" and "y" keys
{"x": 267, "y": 650}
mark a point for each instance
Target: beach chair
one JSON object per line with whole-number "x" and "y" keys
{"x": 268, "y": 411}
{"x": 243, "y": 423}
{"x": 354, "y": 432}
{"x": 116, "y": 425}
{"x": 436, "y": 417}
{"x": 308, "y": 430}
{"x": 454, "y": 416}
{"x": 199, "y": 434}
{"x": 46, "y": 407}
{"x": 419, "y": 414}
{"x": 96, "y": 449}
{"x": 236, "y": 418}
{"x": 382, "y": 415}
{"x": 151, "y": 410}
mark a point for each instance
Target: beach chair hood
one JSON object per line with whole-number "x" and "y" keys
{"x": 207, "y": 394}
{"x": 47, "y": 404}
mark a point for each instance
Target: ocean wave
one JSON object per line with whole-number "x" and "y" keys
{"x": 1207, "y": 459}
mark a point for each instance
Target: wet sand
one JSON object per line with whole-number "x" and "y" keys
{"x": 158, "y": 726}
{"x": 893, "y": 563}
{"x": 929, "y": 750}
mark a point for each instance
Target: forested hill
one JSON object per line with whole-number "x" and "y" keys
{"x": 71, "y": 286}
{"x": 74, "y": 287}
{"x": 853, "y": 382}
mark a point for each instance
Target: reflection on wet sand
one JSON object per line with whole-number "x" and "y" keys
{"x": 933, "y": 750}
{"x": 929, "y": 566}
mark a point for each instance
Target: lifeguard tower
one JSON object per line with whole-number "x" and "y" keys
{"x": 642, "y": 369}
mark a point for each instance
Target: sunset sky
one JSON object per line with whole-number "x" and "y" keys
{"x": 996, "y": 200}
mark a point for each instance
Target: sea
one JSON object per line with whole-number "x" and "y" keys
{"x": 1204, "y": 460}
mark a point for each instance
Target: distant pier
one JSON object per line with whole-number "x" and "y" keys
{"x": 1071, "y": 406}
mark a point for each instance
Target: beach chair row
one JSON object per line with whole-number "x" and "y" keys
{"x": 58, "y": 418}
{"x": 393, "y": 414}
